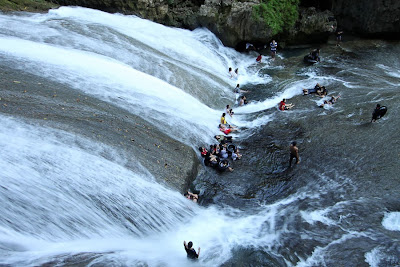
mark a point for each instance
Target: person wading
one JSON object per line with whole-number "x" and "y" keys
{"x": 294, "y": 153}
{"x": 191, "y": 253}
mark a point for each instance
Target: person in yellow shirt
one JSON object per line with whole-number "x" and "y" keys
{"x": 223, "y": 120}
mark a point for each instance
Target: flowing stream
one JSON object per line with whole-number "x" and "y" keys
{"x": 68, "y": 200}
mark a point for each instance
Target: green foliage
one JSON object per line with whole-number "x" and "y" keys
{"x": 279, "y": 15}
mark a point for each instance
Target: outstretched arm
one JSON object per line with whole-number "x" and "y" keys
{"x": 198, "y": 253}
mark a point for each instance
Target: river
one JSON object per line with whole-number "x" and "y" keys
{"x": 69, "y": 200}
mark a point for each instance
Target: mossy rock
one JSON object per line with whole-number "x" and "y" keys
{"x": 26, "y": 5}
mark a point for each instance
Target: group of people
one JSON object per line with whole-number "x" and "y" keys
{"x": 218, "y": 154}
{"x": 233, "y": 74}
{"x": 273, "y": 46}
{"x": 239, "y": 92}
{"x": 318, "y": 90}
{"x": 322, "y": 92}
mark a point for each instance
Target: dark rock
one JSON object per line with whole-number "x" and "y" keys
{"x": 380, "y": 18}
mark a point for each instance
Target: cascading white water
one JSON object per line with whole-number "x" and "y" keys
{"x": 64, "y": 197}
{"x": 110, "y": 57}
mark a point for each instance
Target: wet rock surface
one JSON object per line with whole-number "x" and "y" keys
{"x": 54, "y": 105}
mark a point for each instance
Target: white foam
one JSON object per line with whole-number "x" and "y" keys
{"x": 391, "y": 221}
{"x": 373, "y": 258}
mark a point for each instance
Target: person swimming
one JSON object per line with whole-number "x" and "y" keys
{"x": 329, "y": 102}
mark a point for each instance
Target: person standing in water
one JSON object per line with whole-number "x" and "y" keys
{"x": 191, "y": 253}
{"x": 273, "y": 46}
{"x": 259, "y": 58}
{"x": 338, "y": 34}
{"x": 294, "y": 153}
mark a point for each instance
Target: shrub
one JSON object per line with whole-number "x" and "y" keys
{"x": 279, "y": 15}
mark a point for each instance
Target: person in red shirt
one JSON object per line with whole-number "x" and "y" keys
{"x": 226, "y": 130}
{"x": 283, "y": 106}
{"x": 259, "y": 58}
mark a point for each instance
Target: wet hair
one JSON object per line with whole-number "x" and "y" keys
{"x": 223, "y": 114}
{"x": 190, "y": 244}
{"x": 201, "y": 149}
{"x": 186, "y": 194}
{"x": 237, "y": 85}
{"x": 378, "y": 105}
{"x": 294, "y": 143}
{"x": 230, "y": 69}
{"x": 284, "y": 100}
{"x": 217, "y": 137}
{"x": 227, "y": 106}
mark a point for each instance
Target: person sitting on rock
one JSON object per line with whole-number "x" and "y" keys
{"x": 283, "y": 106}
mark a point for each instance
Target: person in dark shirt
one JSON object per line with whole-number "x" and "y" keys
{"x": 338, "y": 34}
{"x": 191, "y": 253}
{"x": 377, "y": 113}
